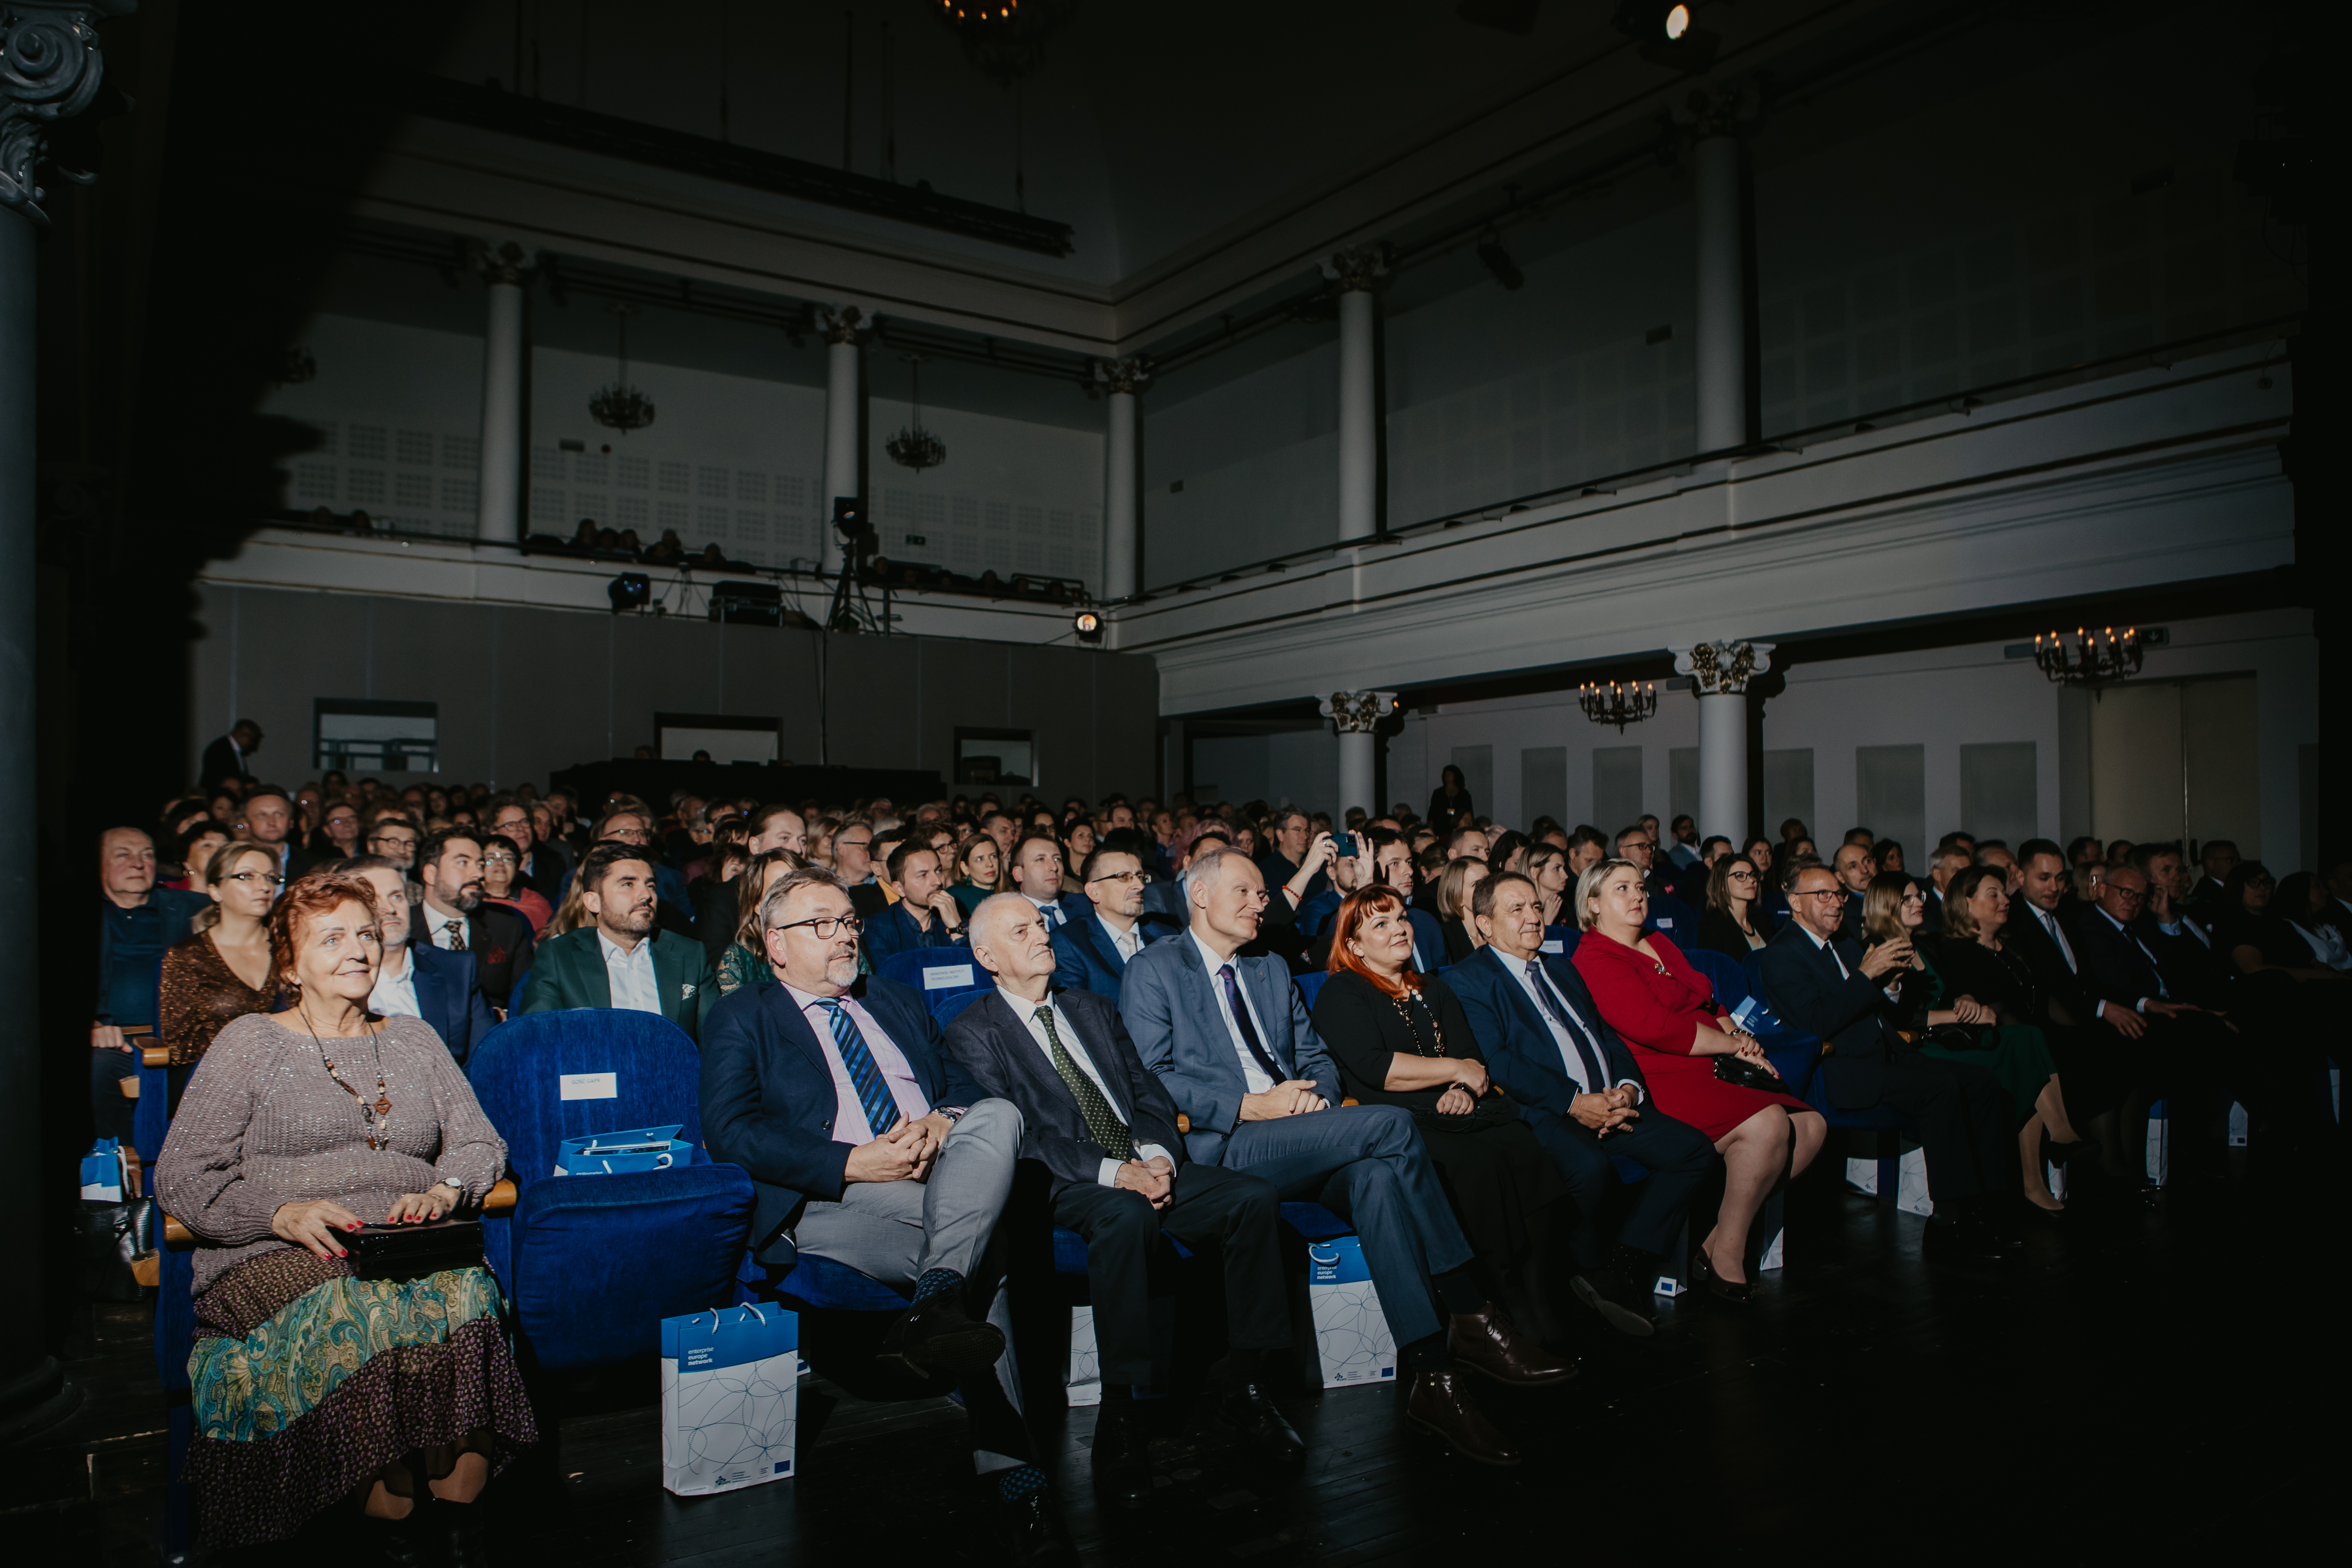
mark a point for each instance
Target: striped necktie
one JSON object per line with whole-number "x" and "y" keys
{"x": 865, "y": 1074}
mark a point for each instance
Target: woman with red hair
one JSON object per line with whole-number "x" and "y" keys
{"x": 1400, "y": 1037}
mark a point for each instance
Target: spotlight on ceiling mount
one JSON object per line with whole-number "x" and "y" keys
{"x": 1666, "y": 34}
{"x": 1088, "y": 625}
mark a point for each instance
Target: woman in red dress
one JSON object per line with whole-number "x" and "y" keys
{"x": 1666, "y": 1013}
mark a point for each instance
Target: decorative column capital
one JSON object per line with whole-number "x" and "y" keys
{"x": 847, "y": 326}
{"x": 51, "y": 68}
{"x": 1359, "y": 269}
{"x": 1715, "y": 112}
{"x": 506, "y": 263}
{"x": 1356, "y": 712}
{"x": 1129, "y": 376}
{"x": 1722, "y": 669}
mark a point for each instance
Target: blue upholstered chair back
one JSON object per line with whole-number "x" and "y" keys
{"x": 1310, "y": 986}
{"x": 1723, "y": 972}
{"x": 1565, "y": 936}
{"x": 906, "y": 968}
{"x": 947, "y": 1005}
{"x": 523, "y": 1071}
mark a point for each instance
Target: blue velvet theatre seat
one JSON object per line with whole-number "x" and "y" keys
{"x": 593, "y": 1263}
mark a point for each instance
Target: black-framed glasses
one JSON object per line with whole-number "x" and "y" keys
{"x": 500, "y": 860}
{"x": 1136, "y": 877}
{"x": 1739, "y": 876}
{"x": 2129, "y": 895}
{"x": 825, "y": 928}
{"x": 851, "y": 842}
{"x": 272, "y": 878}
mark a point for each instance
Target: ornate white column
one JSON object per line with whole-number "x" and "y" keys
{"x": 1722, "y": 282}
{"x": 1120, "y": 380}
{"x": 1358, "y": 271}
{"x": 845, "y": 332}
{"x": 499, "y": 515}
{"x": 1354, "y": 715}
{"x": 1719, "y": 673}
{"x": 51, "y": 70}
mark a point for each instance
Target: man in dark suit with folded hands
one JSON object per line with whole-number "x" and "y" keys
{"x": 868, "y": 1145}
{"x": 1822, "y": 980}
{"x": 1582, "y": 1097}
{"x": 1102, "y": 1123}
{"x": 1231, "y": 1038}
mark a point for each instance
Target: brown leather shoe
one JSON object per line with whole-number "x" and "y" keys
{"x": 1487, "y": 1342}
{"x": 1440, "y": 1405}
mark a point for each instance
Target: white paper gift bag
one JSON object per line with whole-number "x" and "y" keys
{"x": 1351, "y": 1332}
{"x": 730, "y": 1398}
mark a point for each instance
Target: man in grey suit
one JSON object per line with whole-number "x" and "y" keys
{"x": 1231, "y": 1038}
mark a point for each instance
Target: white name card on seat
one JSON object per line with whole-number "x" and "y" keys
{"x": 947, "y": 976}
{"x": 1554, "y": 944}
{"x": 1668, "y": 923}
{"x": 590, "y": 1086}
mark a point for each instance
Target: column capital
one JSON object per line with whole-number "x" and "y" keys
{"x": 1356, "y": 712}
{"x": 1715, "y": 112}
{"x": 844, "y": 326}
{"x": 51, "y": 68}
{"x": 1722, "y": 669}
{"x": 505, "y": 262}
{"x": 1359, "y": 268}
{"x": 1129, "y": 376}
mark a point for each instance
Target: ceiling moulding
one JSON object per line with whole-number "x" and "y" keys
{"x": 494, "y": 109}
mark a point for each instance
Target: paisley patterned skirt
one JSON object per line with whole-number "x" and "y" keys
{"x": 305, "y": 1382}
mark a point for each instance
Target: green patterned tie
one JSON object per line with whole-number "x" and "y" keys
{"x": 1101, "y": 1119}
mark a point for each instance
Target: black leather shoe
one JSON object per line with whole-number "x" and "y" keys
{"x": 398, "y": 1542}
{"x": 1122, "y": 1460}
{"x": 937, "y": 1336}
{"x": 463, "y": 1529}
{"x": 1620, "y": 1292}
{"x": 1248, "y": 1411}
{"x": 1738, "y": 1292}
{"x": 1488, "y": 1342}
{"x": 1441, "y": 1405}
{"x": 1033, "y": 1529}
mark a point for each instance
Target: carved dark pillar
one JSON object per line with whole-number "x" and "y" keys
{"x": 51, "y": 70}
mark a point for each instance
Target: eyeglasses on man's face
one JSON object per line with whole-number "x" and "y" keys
{"x": 825, "y": 928}
{"x": 851, "y": 842}
{"x": 499, "y": 859}
{"x": 1820, "y": 893}
{"x": 1136, "y": 877}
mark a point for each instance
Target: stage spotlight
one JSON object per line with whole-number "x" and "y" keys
{"x": 1088, "y": 625}
{"x": 630, "y": 591}
{"x": 1666, "y": 34}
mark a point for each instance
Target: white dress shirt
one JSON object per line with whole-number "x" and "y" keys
{"x": 1567, "y": 1046}
{"x": 1253, "y": 1075}
{"x": 395, "y": 996}
{"x": 630, "y": 974}
{"x": 1082, "y": 1054}
{"x": 437, "y": 926}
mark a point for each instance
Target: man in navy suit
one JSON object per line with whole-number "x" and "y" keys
{"x": 1092, "y": 951}
{"x": 1822, "y": 980}
{"x": 1582, "y": 1097}
{"x": 868, "y": 1145}
{"x": 1231, "y": 1037}
{"x": 925, "y": 914}
{"x": 1103, "y": 1125}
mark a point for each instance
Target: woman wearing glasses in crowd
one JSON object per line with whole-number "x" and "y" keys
{"x": 1732, "y": 925}
{"x": 502, "y": 881}
{"x": 222, "y": 973}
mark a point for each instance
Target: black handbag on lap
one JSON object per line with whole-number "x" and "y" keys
{"x": 1746, "y": 1074}
{"x": 414, "y": 1251}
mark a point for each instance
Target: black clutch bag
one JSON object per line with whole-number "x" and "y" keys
{"x": 414, "y": 1251}
{"x": 1956, "y": 1038}
{"x": 1740, "y": 1070}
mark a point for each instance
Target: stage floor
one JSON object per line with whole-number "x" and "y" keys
{"x": 2145, "y": 1377}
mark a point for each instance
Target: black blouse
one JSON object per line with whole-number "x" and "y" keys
{"x": 1363, "y": 1030}
{"x": 1999, "y": 979}
{"x": 2273, "y": 936}
{"x": 1718, "y": 932}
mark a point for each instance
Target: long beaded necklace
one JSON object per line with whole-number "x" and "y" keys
{"x": 379, "y": 1132}
{"x": 1435, "y": 1028}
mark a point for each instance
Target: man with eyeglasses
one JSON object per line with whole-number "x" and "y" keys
{"x": 1639, "y": 844}
{"x": 1819, "y": 977}
{"x": 869, "y": 1146}
{"x": 631, "y": 824}
{"x": 1091, "y": 952}
{"x": 540, "y": 869}
{"x": 395, "y": 838}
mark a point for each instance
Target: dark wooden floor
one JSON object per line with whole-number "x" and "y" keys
{"x": 2168, "y": 1376}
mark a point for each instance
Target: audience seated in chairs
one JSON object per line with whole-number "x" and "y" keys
{"x": 1585, "y": 1099}
{"x": 867, "y": 1144}
{"x": 618, "y": 959}
{"x": 1820, "y": 978}
{"x": 1231, "y": 1036}
{"x": 1665, "y": 1013}
{"x": 923, "y": 915}
{"x": 1103, "y": 1125}
{"x": 310, "y": 1384}
{"x": 1399, "y": 1038}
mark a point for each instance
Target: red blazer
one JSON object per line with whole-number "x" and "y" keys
{"x": 1648, "y": 1005}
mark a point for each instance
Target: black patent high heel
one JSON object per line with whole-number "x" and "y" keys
{"x": 1737, "y": 1293}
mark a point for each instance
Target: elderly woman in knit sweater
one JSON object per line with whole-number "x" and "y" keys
{"x": 313, "y": 1388}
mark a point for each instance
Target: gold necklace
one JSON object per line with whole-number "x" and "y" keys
{"x": 381, "y": 1128}
{"x": 1413, "y": 1034}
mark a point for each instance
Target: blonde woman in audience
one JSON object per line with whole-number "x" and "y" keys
{"x": 1547, "y": 867}
{"x": 1454, "y": 885}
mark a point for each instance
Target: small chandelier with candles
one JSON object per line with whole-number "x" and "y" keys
{"x": 622, "y": 407}
{"x": 2090, "y": 659}
{"x": 914, "y": 447}
{"x": 1616, "y": 704}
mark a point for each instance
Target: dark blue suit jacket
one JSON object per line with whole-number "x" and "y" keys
{"x": 768, "y": 1098}
{"x": 1085, "y": 959}
{"x": 1801, "y": 984}
{"x": 449, "y": 996}
{"x": 1522, "y": 1053}
{"x": 894, "y": 930}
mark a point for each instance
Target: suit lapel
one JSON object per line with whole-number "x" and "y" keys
{"x": 594, "y": 983}
{"x": 1260, "y": 984}
{"x": 794, "y": 1027}
{"x": 429, "y": 999}
{"x": 667, "y": 985}
{"x": 1096, "y": 932}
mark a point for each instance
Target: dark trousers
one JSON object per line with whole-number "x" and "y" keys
{"x": 1676, "y": 1154}
{"x": 1208, "y": 1203}
{"x": 1964, "y": 1125}
{"x": 110, "y": 1110}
